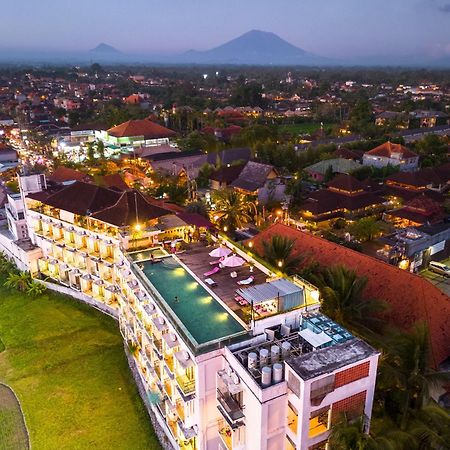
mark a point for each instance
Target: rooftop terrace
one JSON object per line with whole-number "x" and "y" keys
{"x": 198, "y": 260}
{"x": 318, "y": 346}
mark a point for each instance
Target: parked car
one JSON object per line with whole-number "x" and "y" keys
{"x": 440, "y": 268}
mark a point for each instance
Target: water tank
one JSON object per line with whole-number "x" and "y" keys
{"x": 274, "y": 353}
{"x": 263, "y": 357}
{"x": 277, "y": 372}
{"x": 266, "y": 376}
{"x": 285, "y": 349}
{"x": 252, "y": 360}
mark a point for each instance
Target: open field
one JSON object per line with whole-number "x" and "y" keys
{"x": 66, "y": 364}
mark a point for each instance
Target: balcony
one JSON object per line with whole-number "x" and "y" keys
{"x": 226, "y": 434}
{"x": 168, "y": 388}
{"x": 157, "y": 343}
{"x": 229, "y": 406}
{"x": 180, "y": 410}
{"x": 169, "y": 362}
{"x": 186, "y": 385}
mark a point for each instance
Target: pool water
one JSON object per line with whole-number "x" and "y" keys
{"x": 144, "y": 255}
{"x": 203, "y": 316}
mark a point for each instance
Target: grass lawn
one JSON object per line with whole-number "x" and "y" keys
{"x": 302, "y": 128}
{"x": 66, "y": 364}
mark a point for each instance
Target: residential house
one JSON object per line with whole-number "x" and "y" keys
{"x": 338, "y": 165}
{"x": 392, "y": 154}
{"x": 399, "y": 119}
{"x": 186, "y": 163}
{"x": 229, "y": 156}
{"x": 428, "y": 119}
{"x": 344, "y": 197}
{"x": 260, "y": 180}
{"x": 224, "y": 176}
{"x": 418, "y": 211}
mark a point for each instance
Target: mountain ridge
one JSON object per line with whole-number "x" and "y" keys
{"x": 254, "y": 47}
{"x": 105, "y": 48}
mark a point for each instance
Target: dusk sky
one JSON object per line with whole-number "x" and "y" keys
{"x": 336, "y": 28}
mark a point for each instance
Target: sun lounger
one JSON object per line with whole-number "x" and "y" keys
{"x": 211, "y": 272}
{"x": 217, "y": 261}
{"x": 240, "y": 300}
{"x": 248, "y": 280}
{"x": 210, "y": 282}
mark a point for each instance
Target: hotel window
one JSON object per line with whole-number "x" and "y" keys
{"x": 318, "y": 422}
{"x": 292, "y": 418}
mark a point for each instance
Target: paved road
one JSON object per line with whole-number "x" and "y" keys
{"x": 440, "y": 281}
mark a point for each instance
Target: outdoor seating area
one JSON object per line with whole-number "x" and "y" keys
{"x": 225, "y": 280}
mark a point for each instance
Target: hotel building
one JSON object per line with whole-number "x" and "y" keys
{"x": 233, "y": 365}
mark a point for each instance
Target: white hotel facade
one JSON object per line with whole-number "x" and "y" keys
{"x": 274, "y": 382}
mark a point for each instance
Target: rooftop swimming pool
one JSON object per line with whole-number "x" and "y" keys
{"x": 202, "y": 315}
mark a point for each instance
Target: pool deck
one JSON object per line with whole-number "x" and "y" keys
{"x": 197, "y": 259}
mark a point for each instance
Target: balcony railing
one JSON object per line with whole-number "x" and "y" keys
{"x": 230, "y": 406}
{"x": 187, "y": 385}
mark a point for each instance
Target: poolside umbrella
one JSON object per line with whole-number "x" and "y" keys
{"x": 220, "y": 252}
{"x": 233, "y": 261}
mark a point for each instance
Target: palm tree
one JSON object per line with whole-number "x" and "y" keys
{"x": 233, "y": 210}
{"x": 347, "y": 435}
{"x": 342, "y": 297}
{"x": 384, "y": 435}
{"x": 19, "y": 281}
{"x": 405, "y": 373}
{"x": 278, "y": 252}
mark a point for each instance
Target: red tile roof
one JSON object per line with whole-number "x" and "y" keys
{"x": 114, "y": 181}
{"x": 345, "y": 182}
{"x": 63, "y": 174}
{"x": 143, "y": 127}
{"x": 388, "y": 148}
{"x": 411, "y": 297}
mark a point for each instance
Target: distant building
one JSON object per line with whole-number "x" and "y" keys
{"x": 338, "y": 165}
{"x": 136, "y": 133}
{"x": 418, "y": 211}
{"x": 416, "y": 246}
{"x": 400, "y": 119}
{"x": 392, "y": 154}
{"x": 261, "y": 180}
{"x": 428, "y": 119}
{"x": 229, "y": 156}
{"x": 344, "y": 197}
{"x": 15, "y": 215}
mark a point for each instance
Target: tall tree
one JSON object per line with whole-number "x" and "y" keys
{"x": 278, "y": 252}
{"x": 232, "y": 210}
{"x": 342, "y": 297}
